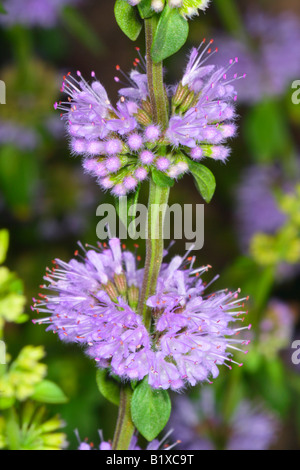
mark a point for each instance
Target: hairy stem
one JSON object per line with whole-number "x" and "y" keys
{"x": 156, "y": 87}
{"x": 158, "y": 199}
{"x": 158, "y": 196}
{"x": 125, "y": 427}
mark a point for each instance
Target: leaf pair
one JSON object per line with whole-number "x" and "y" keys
{"x": 150, "y": 408}
{"x": 170, "y": 35}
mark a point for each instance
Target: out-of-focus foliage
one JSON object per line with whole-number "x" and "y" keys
{"x": 283, "y": 246}
{"x": 21, "y": 377}
{"x": 22, "y": 425}
{"x": 12, "y": 300}
{"x": 31, "y": 430}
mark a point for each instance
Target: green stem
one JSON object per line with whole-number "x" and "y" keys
{"x": 156, "y": 87}
{"x": 125, "y": 427}
{"x": 158, "y": 196}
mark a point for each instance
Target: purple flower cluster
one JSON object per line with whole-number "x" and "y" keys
{"x": 121, "y": 145}
{"x": 104, "y": 445}
{"x": 94, "y": 303}
{"x": 271, "y": 58}
{"x": 43, "y": 13}
{"x": 202, "y": 427}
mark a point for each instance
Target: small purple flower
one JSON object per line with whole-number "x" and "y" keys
{"x": 32, "y": 13}
{"x": 201, "y": 120}
{"x": 152, "y": 133}
{"x": 94, "y": 303}
{"x": 135, "y": 141}
{"x": 208, "y": 122}
{"x": 163, "y": 163}
{"x": 146, "y": 157}
{"x": 201, "y": 426}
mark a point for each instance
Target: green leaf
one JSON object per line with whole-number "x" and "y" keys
{"x": 161, "y": 179}
{"x": 150, "y": 410}
{"x": 81, "y": 29}
{"x": 4, "y": 242}
{"x": 204, "y": 179}
{"x": 127, "y": 19}
{"x": 48, "y": 392}
{"x": 145, "y": 9}
{"x": 171, "y": 34}
{"x": 108, "y": 387}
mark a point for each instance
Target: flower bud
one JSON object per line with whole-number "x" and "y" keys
{"x": 121, "y": 283}
{"x": 190, "y": 8}
{"x": 111, "y": 290}
{"x": 133, "y": 296}
{"x": 157, "y": 5}
{"x": 180, "y": 94}
{"x": 143, "y": 117}
{"x": 187, "y": 102}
